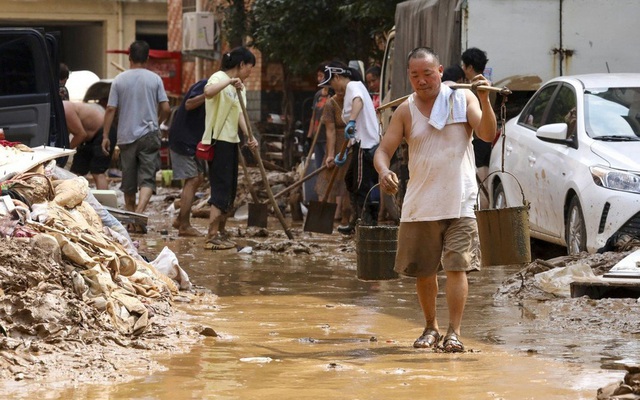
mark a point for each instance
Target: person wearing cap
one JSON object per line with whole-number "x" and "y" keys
{"x": 362, "y": 130}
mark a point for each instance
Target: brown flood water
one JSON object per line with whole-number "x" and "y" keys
{"x": 303, "y": 327}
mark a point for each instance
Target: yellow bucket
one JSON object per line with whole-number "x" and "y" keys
{"x": 504, "y": 233}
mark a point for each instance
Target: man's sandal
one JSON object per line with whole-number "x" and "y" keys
{"x": 452, "y": 344}
{"x": 429, "y": 339}
{"x": 217, "y": 244}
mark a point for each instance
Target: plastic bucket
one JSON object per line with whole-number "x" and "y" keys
{"x": 376, "y": 252}
{"x": 504, "y": 233}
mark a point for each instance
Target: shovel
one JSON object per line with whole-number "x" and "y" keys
{"x": 256, "y": 216}
{"x": 256, "y": 153}
{"x": 320, "y": 213}
{"x": 258, "y": 212}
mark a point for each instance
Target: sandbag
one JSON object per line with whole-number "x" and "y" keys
{"x": 70, "y": 192}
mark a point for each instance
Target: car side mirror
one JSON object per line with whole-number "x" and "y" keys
{"x": 555, "y": 133}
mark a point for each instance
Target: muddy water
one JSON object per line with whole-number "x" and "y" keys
{"x": 303, "y": 327}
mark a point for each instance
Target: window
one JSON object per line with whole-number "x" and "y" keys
{"x": 563, "y": 110}
{"x": 17, "y": 67}
{"x": 563, "y": 103}
{"x": 534, "y": 113}
{"x": 612, "y": 112}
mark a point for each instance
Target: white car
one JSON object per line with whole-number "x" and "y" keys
{"x": 575, "y": 152}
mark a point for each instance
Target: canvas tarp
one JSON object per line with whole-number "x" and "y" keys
{"x": 431, "y": 23}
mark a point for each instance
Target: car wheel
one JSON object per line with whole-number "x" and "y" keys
{"x": 499, "y": 198}
{"x": 575, "y": 230}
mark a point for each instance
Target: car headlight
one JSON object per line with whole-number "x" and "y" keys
{"x": 616, "y": 179}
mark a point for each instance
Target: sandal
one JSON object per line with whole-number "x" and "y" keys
{"x": 226, "y": 236}
{"x": 429, "y": 339}
{"x": 216, "y": 243}
{"x": 451, "y": 344}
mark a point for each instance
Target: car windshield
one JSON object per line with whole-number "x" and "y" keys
{"x": 612, "y": 113}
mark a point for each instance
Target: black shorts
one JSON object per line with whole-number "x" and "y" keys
{"x": 90, "y": 158}
{"x": 361, "y": 175}
{"x": 223, "y": 176}
{"x": 482, "y": 152}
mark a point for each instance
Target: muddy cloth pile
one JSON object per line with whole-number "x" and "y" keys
{"x": 628, "y": 388}
{"x": 82, "y": 261}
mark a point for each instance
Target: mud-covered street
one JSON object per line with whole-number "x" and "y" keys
{"x": 292, "y": 321}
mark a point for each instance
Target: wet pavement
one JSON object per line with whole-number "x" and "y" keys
{"x": 302, "y": 326}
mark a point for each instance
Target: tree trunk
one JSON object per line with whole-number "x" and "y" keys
{"x": 287, "y": 110}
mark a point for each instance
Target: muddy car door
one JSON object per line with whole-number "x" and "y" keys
{"x": 31, "y": 110}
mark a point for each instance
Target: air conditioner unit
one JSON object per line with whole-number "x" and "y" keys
{"x": 199, "y": 31}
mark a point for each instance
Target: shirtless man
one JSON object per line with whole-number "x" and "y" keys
{"x": 84, "y": 121}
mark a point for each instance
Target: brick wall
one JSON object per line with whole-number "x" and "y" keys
{"x": 175, "y": 10}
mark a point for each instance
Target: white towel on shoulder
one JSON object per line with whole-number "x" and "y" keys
{"x": 450, "y": 107}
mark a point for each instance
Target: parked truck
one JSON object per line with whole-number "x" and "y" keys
{"x": 527, "y": 41}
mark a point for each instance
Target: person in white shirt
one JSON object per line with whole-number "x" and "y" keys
{"x": 362, "y": 130}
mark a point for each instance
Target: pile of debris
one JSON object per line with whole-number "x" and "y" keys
{"x": 70, "y": 277}
{"x": 628, "y": 388}
{"x": 542, "y": 290}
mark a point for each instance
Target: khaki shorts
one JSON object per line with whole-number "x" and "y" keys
{"x": 139, "y": 161}
{"x": 426, "y": 247}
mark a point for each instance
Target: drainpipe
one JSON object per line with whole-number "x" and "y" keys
{"x": 121, "y": 31}
{"x": 198, "y": 60}
{"x": 561, "y": 52}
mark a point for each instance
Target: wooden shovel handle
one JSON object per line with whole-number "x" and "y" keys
{"x": 256, "y": 153}
{"x": 313, "y": 145}
{"x": 335, "y": 172}
{"x": 247, "y": 177}
{"x": 299, "y": 182}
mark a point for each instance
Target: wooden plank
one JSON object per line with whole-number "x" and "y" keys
{"x": 108, "y": 198}
{"x": 129, "y": 217}
{"x": 622, "y": 274}
{"x": 599, "y": 287}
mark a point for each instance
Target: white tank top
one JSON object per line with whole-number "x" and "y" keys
{"x": 442, "y": 181}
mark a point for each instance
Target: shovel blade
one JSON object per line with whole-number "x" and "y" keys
{"x": 320, "y": 217}
{"x": 258, "y": 214}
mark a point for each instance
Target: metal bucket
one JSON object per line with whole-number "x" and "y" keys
{"x": 376, "y": 252}
{"x": 504, "y": 233}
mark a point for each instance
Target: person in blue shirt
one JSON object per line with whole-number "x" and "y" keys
{"x": 185, "y": 132}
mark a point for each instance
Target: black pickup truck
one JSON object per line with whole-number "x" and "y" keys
{"x": 31, "y": 110}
